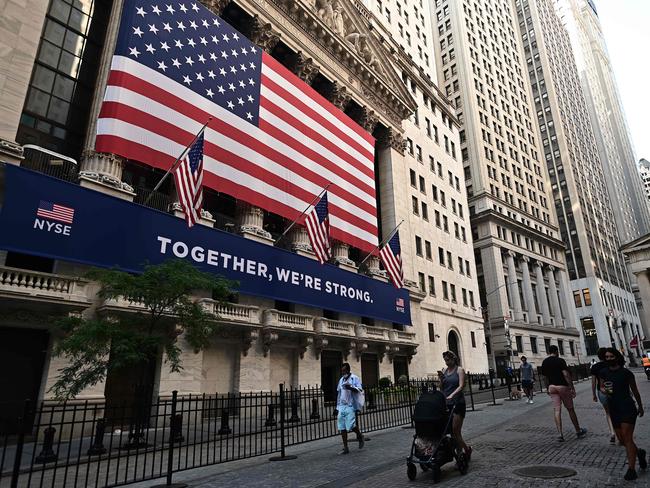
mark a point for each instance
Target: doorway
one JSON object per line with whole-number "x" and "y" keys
{"x": 369, "y": 370}
{"x": 400, "y": 367}
{"x": 330, "y": 372}
{"x": 453, "y": 342}
{"x": 129, "y": 393}
{"x": 22, "y": 359}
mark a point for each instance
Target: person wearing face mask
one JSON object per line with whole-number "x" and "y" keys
{"x": 348, "y": 402}
{"x": 616, "y": 383}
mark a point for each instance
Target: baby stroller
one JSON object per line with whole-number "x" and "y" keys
{"x": 433, "y": 446}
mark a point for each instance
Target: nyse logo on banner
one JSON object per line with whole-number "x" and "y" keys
{"x": 399, "y": 305}
{"x": 54, "y": 218}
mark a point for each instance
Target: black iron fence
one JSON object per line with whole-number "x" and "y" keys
{"x": 90, "y": 444}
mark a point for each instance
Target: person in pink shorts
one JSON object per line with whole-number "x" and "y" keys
{"x": 561, "y": 389}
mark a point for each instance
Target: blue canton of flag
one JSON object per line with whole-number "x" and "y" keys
{"x": 391, "y": 256}
{"x": 189, "y": 44}
{"x": 317, "y": 222}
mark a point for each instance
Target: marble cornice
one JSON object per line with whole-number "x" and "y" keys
{"x": 367, "y": 72}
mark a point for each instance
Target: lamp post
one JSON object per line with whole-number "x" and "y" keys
{"x": 486, "y": 319}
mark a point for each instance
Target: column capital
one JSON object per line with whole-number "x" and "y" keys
{"x": 215, "y": 6}
{"x": 541, "y": 264}
{"x": 551, "y": 268}
{"x": 511, "y": 253}
{"x": 392, "y": 138}
{"x": 525, "y": 259}
{"x": 339, "y": 96}
{"x": 368, "y": 119}
{"x": 305, "y": 68}
{"x": 263, "y": 35}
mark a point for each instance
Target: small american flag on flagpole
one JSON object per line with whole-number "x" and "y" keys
{"x": 318, "y": 228}
{"x": 391, "y": 256}
{"x": 189, "y": 181}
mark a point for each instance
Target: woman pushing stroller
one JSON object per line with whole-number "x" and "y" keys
{"x": 452, "y": 380}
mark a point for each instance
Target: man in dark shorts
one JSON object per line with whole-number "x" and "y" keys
{"x": 527, "y": 378}
{"x": 561, "y": 390}
{"x": 617, "y": 382}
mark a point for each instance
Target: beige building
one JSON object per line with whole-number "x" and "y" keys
{"x": 518, "y": 247}
{"x": 601, "y": 288}
{"x": 607, "y": 116}
{"x": 644, "y": 172}
{"x": 57, "y": 58}
{"x": 637, "y": 254}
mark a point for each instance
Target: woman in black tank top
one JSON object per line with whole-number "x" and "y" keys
{"x": 452, "y": 381}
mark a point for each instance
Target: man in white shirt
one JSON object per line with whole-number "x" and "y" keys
{"x": 348, "y": 401}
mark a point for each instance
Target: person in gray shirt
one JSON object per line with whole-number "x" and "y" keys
{"x": 527, "y": 378}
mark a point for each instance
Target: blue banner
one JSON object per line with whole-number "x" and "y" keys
{"x": 48, "y": 217}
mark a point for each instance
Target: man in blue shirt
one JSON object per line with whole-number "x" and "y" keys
{"x": 348, "y": 401}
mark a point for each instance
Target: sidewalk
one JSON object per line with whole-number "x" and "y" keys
{"x": 504, "y": 437}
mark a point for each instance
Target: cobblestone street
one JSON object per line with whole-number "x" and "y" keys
{"x": 504, "y": 438}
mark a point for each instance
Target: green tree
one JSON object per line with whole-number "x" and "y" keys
{"x": 96, "y": 346}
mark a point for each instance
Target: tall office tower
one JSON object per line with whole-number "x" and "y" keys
{"x": 518, "y": 248}
{"x": 606, "y": 113}
{"x": 435, "y": 235}
{"x": 599, "y": 280}
{"x": 644, "y": 171}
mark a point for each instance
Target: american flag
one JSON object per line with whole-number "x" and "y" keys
{"x": 391, "y": 256}
{"x": 274, "y": 142}
{"x": 189, "y": 181}
{"x": 318, "y": 228}
{"x": 54, "y": 211}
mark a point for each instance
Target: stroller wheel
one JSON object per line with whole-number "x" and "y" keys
{"x": 462, "y": 463}
{"x": 437, "y": 474}
{"x": 411, "y": 471}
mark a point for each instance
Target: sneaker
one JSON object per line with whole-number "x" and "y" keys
{"x": 612, "y": 440}
{"x": 345, "y": 450}
{"x": 531, "y": 401}
{"x": 630, "y": 475}
{"x": 361, "y": 442}
{"x": 643, "y": 462}
{"x": 581, "y": 433}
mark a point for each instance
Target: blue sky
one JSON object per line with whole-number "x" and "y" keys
{"x": 626, "y": 25}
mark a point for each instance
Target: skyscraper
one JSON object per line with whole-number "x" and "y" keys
{"x": 606, "y": 113}
{"x": 644, "y": 171}
{"x": 599, "y": 279}
{"x": 518, "y": 247}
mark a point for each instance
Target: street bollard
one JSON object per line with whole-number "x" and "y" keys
{"x": 295, "y": 404}
{"x": 176, "y": 428}
{"x": 97, "y": 446}
{"x": 314, "y": 410}
{"x": 270, "y": 419}
{"x": 47, "y": 455}
{"x": 494, "y": 400}
{"x": 471, "y": 393}
{"x": 225, "y": 418}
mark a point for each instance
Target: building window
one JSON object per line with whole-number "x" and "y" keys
{"x": 450, "y": 261}
{"x": 416, "y": 205}
{"x": 427, "y": 250}
{"x": 577, "y": 298}
{"x": 471, "y": 299}
{"x": 441, "y": 256}
{"x": 452, "y": 289}
{"x": 418, "y": 245}
{"x": 560, "y": 346}
{"x": 572, "y": 348}
{"x": 432, "y": 286}
{"x": 432, "y": 333}
{"x": 589, "y": 333}
{"x": 464, "y": 295}
{"x": 547, "y": 344}
{"x": 533, "y": 345}
{"x": 445, "y": 291}
{"x": 520, "y": 344}
{"x": 473, "y": 338}
{"x": 587, "y": 296}
{"x": 413, "y": 178}
{"x": 422, "y": 283}
{"x": 425, "y": 211}
{"x": 63, "y": 78}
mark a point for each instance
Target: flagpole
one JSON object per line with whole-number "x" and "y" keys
{"x": 303, "y": 213}
{"x": 162, "y": 180}
{"x": 390, "y": 236}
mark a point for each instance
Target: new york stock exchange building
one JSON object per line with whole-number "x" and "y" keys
{"x": 84, "y": 83}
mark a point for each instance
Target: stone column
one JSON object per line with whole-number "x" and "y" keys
{"x": 567, "y": 301}
{"x": 251, "y": 223}
{"x": 527, "y": 285}
{"x": 340, "y": 253}
{"x": 643, "y": 280}
{"x": 513, "y": 286}
{"x": 187, "y": 381}
{"x": 541, "y": 294}
{"x": 305, "y": 68}
{"x": 103, "y": 172}
{"x": 300, "y": 243}
{"x": 555, "y": 303}
{"x": 497, "y": 299}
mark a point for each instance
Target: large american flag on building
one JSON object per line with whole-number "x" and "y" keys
{"x": 274, "y": 142}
